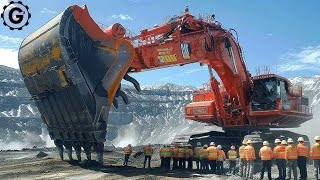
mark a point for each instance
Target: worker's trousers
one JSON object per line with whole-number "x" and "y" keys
{"x": 190, "y": 163}
{"x": 242, "y": 167}
{"x": 281, "y": 163}
{"x": 145, "y": 161}
{"x": 292, "y": 167}
{"x": 182, "y": 163}
{"x": 204, "y": 164}
{"x": 250, "y": 167}
{"x": 213, "y": 166}
{"x": 175, "y": 163}
{"x": 198, "y": 163}
{"x": 302, "y": 165}
{"x": 162, "y": 162}
{"x": 220, "y": 168}
{"x": 266, "y": 165}
{"x": 316, "y": 164}
{"x": 232, "y": 166}
{"x": 126, "y": 159}
{"x": 166, "y": 163}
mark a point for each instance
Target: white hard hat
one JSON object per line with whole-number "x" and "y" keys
{"x": 212, "y": 144}
{"x": 300, "y": 139}
{"x": 129, "y": 145}
{"x": 277, "y": 141}
{"x": 284, "y": 142}
{"x": 290, "y": 140}
{"x": 149, "y": 144}
{"x": 219, "y": 147}
{"x": 232, "y": 147}
{"x": 244, "y": 142}
{"x": 265, "y": 143}
{"x": 249, "y": 141}
{"x": 205, "y": 146}
{"x": 317, "y": 138}
{"x": 198, "y": 143}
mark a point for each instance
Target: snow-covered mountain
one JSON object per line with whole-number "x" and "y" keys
{"x": 311, "y": 88}
{"x": 153, "y": 115}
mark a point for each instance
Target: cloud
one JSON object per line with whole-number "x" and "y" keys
{"x": 9, "y": 57}
{"x": 194, "y": 70}
{"x": 304, "y": 59}
{"x": 124, "y": 17}
{"x": 49, "y": 11}
{"x": 9, "y": 42}
{"x": 269, "y": 35}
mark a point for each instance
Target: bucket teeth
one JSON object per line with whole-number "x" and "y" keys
{"x": 68, "y": 147}
{"x": 87, "y": 149}
{"x": 59, "y": 145}
{"x": 123, "y": 96}
{"x": 115, "y": 103}
{"x": 77, "y": 148}
{"x": 133, "y": 81}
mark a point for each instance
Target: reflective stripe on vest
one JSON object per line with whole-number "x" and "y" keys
{"x": 303, "y": 150}
{"x": 162, "y": 152}
{"x": 212, "y": 153}
{"x": 181, "y": 153}
{"x": 127, "y": 150}
{"x": 291, "y": 152}
{"x": 279, "y": 152}
{"x": 204, "y": 153}
{"x": 189, "y": 153}
{"x": 197, "y": 152}
{"x": 148, "y": 151}
{"x": 174, "y": 152}
{"x": 232, "y": 154}
{"x": 250, "y": 154}
{"x": 166, "y": 152}
{"x": 266, "y": 153}
{"x": 242, "y": 152}
{"x": 221, "y": 155}
{"x": 315, "y": 151}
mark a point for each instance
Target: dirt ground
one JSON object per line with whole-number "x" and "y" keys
{"x": 25, "y": 165}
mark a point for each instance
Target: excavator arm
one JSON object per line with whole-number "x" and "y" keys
{"x": 73, "y": 70}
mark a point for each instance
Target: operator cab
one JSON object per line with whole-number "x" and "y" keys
{"x": 271, "y": 91}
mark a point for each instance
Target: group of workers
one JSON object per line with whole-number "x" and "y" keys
{"x": 210, "y": 159}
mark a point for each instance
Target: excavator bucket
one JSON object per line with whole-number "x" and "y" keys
{"x": 73, "y": 69}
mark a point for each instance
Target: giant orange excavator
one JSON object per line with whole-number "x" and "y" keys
{"x": 73, "y": 70}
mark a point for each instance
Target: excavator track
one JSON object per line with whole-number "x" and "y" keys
{"x": 73, "y": 70}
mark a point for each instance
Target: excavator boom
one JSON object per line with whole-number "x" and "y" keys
{"x": 73, "y": 70}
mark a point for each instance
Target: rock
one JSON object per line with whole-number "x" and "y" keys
{"x": 41, "y": 154}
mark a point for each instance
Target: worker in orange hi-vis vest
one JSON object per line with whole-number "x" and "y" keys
{"x": 212, "y": 157}
{"x": 221, "y": 157}
{"x": 182, "y": 156}
{"x": 266, "y": 155}
{"x": 232, "y": 157}
{"x": 147, "y": 151}
{"x": 291, "y": 157}
{"x": 161, "y": 154}
{"x": 303, "y": 154}
{"x": 250, "y": 155}
{"x": 189, "y": 156}
{"x": 243, "y": 163}
{"x": 279, "y": 156}
{"x": 204, "y": 158}
{"x": 174, "y": 155}
{"x": 197, "y": 154}
{"x": 166, "y": 157}
{"x": 127, "y": 152}
{"x": 315, "y": 156}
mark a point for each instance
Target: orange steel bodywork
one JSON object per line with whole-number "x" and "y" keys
{"x": 186, "y": 39}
